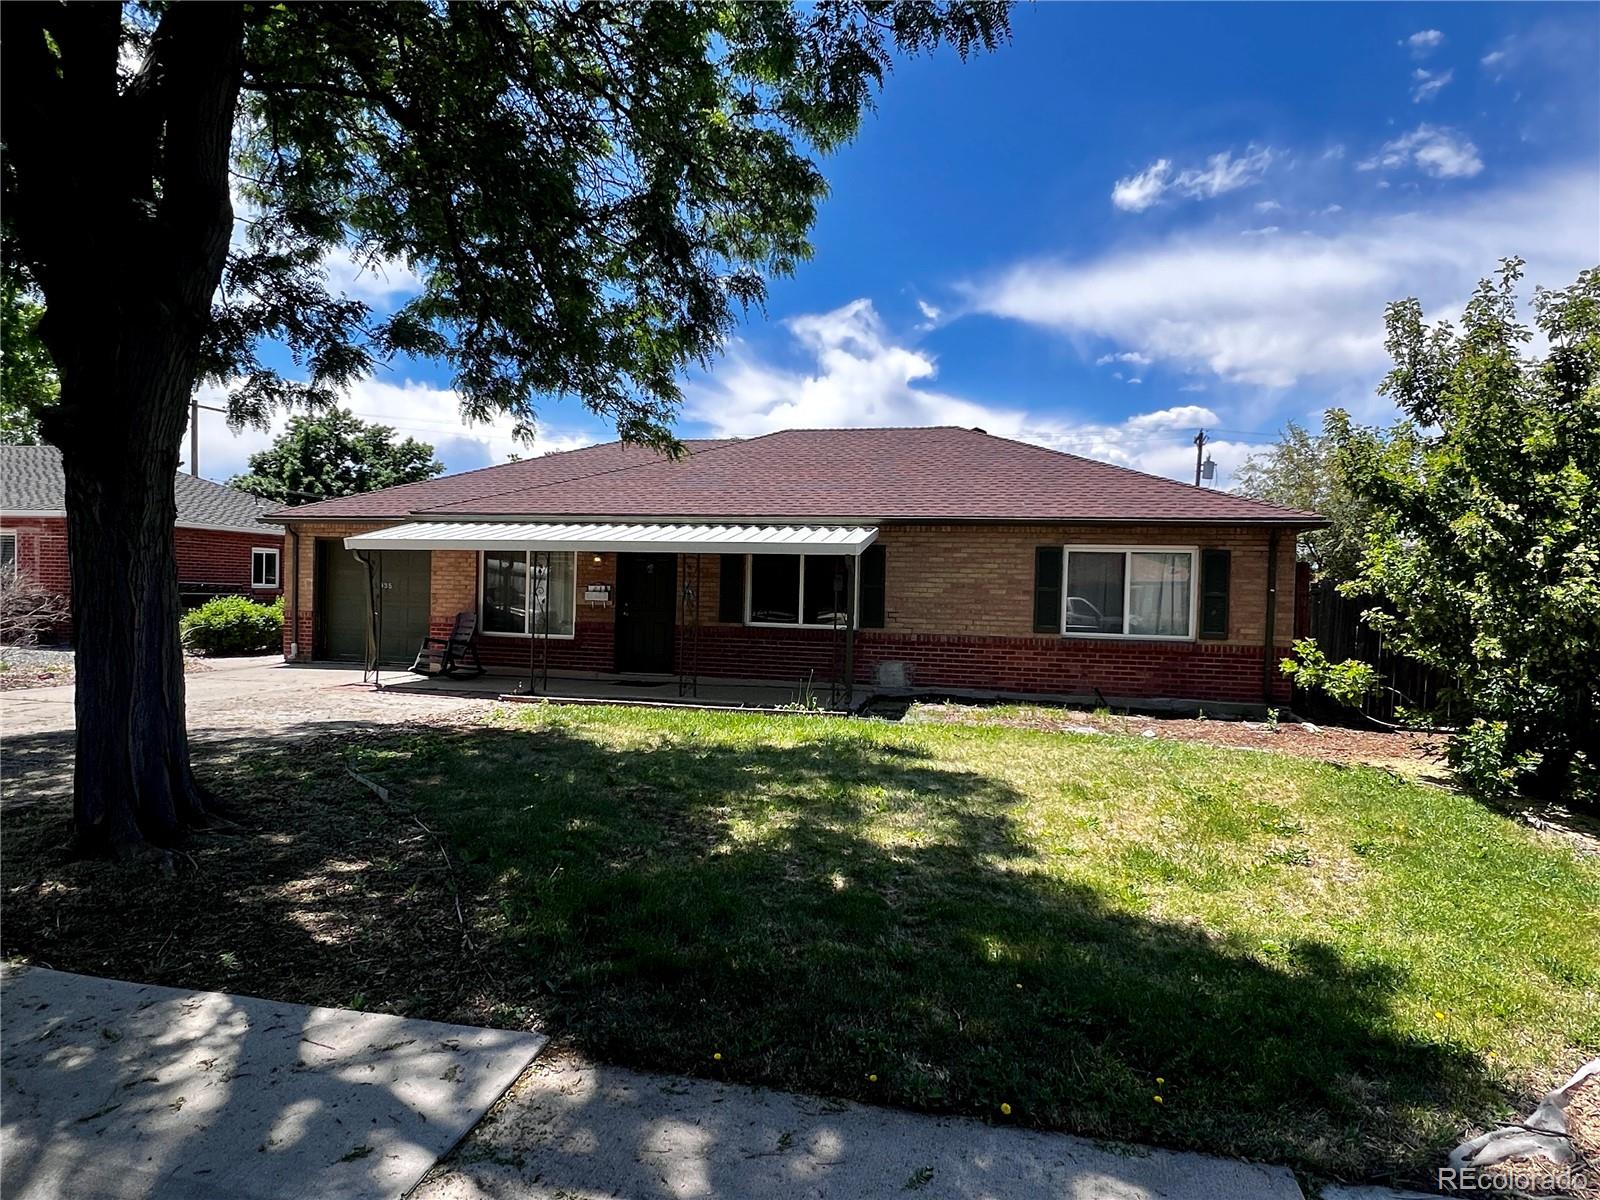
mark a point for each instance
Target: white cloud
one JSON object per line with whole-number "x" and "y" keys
{"x": 1266, "y": 206}
{"x": 418, "y": 410}
{"x": 1493, "y": 59}
{"x": 1423, "y": 42}
{"x": 929, "y": 311}
{"x": 375, "y": 282}
{"x": 1272, "y": 312}
{"x": 1127, "y": 356}
{"x": 1425, "y": 85}
{"x": 1138, "y": 192}
{"x": 1435, "y": 150}
{"x": 860, "y": 375}
{"x": 1221, "y": 173}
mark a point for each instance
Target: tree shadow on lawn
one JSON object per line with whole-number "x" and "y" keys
{"x": 816, "y": 913}
{"x": 823, "y": 912}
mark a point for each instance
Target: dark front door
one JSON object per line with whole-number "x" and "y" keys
{"x": 647, "y": 595}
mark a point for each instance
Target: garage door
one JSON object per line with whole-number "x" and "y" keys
{"x": 402, "y": 577}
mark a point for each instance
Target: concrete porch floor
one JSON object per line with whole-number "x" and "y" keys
{"x": 575, "y": 688}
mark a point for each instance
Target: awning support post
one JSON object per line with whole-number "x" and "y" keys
{"x": 852, "y": 564}
{"x": 689, "y": 622}
{"x": 371, "y": 671}
{"x": 539, "y": 640}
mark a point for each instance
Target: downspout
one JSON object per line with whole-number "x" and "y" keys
{"x": 1268, "y": 649}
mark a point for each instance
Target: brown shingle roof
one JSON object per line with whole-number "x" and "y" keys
{"x": 941, "y": 473}
{"x": 32, "y": 480}
{"x": 547, "y": 469}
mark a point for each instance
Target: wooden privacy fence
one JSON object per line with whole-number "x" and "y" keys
{"x": 1335, "y": 622}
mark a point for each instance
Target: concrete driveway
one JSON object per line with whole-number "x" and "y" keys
{"x": 263, "y": 695}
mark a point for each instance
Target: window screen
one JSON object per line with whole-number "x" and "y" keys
{"x": 505, "y": 591}
{"x": 825, "y": 601}
{"x": 730, "y": 589}
{"x": 775, "y": 588}
{"x": 873, "y": 591}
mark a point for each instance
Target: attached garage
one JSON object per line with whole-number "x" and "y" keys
{"x": 402, "y": 582}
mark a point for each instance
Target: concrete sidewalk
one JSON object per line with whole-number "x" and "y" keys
{"x": 574, "y": 1131}
{"x": 125, "y": 1091}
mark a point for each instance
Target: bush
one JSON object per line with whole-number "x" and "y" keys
{"x": 234, "y": 625}
{"x": 27, "y": 611}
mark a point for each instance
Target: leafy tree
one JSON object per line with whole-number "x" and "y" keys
{"x": 589, "y": 194}
{"x": 333, "y": 453}
{"x": 1302, "y": 470}
{"x": 27, "y": 376}
{"x": 1485, "y": 543}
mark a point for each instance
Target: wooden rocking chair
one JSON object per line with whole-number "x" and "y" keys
{"x": 448, "y": 655}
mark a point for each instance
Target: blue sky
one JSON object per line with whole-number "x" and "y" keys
{"x": 1133, "y": 221}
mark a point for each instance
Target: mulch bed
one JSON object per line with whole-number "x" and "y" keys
{"x": 321, "y": 893}
{"x": 1329, "y": 743}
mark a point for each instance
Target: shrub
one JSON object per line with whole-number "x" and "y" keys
{"x": 27, "y": 611}
{"x": 234, "y": 625}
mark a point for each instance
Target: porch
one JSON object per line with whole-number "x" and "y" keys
{"x": 587, "y": 688}
{"x": 637, "y": 613}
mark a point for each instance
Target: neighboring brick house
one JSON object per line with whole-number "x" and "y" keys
{"x": 223, "y": 545}
{"x": 968, "y": 562}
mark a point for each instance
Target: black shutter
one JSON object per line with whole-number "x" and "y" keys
{"x": 1047, "y": 589}
{"x": 1214, "y": 569}
{"x": 872, "y": 588}
{"x": 730, "y": 590}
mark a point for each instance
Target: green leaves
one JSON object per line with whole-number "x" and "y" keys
{"x": 332, "y": 454}
{"x": 1483, "y": 552}
{"x": 590, "y": 193}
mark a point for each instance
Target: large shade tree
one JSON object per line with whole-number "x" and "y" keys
{"x": 588, "y": 192}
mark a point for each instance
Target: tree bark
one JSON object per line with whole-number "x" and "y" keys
{"x": 132, "y": 783}
{"x": 119, "y": 204}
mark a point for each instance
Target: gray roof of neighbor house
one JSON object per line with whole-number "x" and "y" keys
{"x": 939, "y": 473}
{"x": 31, "y": 481}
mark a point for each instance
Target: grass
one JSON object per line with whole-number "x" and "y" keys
{"x": 1323, "y": 965}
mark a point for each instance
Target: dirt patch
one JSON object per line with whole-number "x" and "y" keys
{"x": 320, "y": 893}
{"x": 1414, "y": 754}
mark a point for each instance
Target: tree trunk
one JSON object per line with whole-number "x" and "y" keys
{"x": 118, "y": 203}
{"x": 133, "y": 783}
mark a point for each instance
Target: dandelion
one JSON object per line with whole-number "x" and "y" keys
{"x": 717, "y": 1056}
{"x": 1157, "y": 1099}
{"x": 1159, "y": 1079}
{"x": 1005, "y": 1110}
{"x": 872, "y": 1079}
{"x": 1440, "y": 1015}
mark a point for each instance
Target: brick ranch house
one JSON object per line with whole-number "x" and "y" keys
{"x": 223, "y": 544}
{"x": 937, "y": 559}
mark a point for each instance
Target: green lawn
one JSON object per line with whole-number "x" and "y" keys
{"x": 1306, "y": 963}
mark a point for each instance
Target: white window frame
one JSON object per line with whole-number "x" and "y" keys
{"x": 800, "y": 599}
{"x": 527, "y": 568}
{"x": 10, "y": 535}
{"x": 1127, "y": 591}
{"x": 277, "y": 569}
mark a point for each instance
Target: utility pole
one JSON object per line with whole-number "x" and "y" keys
{"x": 1199, "y": 451}
{"x": 194, "y": 434}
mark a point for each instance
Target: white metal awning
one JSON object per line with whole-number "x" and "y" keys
{"x": 681, "y": 538}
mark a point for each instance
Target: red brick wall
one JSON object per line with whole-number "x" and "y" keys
{"x": 1042, "y": 664}
{"x": 42, "y": 551}
{"x": 959, "y": 613}
{"x": 217, "y": 559}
